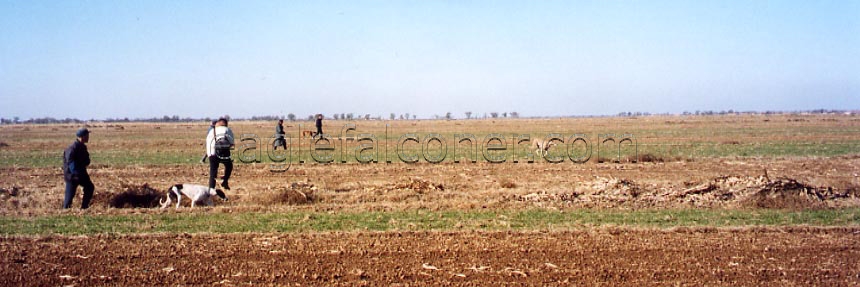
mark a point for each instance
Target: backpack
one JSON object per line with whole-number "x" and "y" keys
{"x": 222, "y": 146}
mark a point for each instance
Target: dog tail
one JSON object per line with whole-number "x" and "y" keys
{"x": 164, "y": 203}
{"x": 170, "y": 194}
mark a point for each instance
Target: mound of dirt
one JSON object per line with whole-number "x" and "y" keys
{"x": 788, "y": 193}
{"x": 14, "y": 198}
{"x": 727, "y": 191}
{"x": 137, "y": 197}
{"x": 507, "y": 183}
{"x": 650, "y": 158}
{"x": 419, "y": 185}
{"x": 297, "y": 193}
{"x": 761, "y": 192}
{"x": 7, "y": 193}
{"x": 605, "y": 192}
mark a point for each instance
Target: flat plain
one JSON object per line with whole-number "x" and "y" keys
{"x": 688, "y": 200}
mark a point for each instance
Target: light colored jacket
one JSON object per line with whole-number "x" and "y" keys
{"x": 215, "y": 134}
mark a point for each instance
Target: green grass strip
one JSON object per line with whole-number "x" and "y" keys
{"x": 420, "y": 220}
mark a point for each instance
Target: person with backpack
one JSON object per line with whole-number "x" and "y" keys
{"x": 219, "y": 141}
{"x": 76, "y": 158}
{"x": 211, "y": 126}
{"x": 279, "y": 136}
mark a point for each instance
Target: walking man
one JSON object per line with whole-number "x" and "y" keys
{"x": 279, "y": 136}
{"x": 319, "y": 125}
{"x": 76, "y": 158}
{"x": 219, "y": 141}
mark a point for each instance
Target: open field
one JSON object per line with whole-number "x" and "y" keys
{"x": 663, "y": 137}
{"x": 718, "y": 200}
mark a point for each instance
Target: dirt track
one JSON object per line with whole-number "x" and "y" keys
{"x": 748, "y": 257}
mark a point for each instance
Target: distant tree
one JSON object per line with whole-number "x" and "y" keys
{"x": 336, "y": 116}
{"x": 515, "y": 115}
{"x": 505, "y": 114}
{"x": 468, "y": 115}
{"x": 494, "y": 114}
{"x": 407, "y": 116}
{"x": 414, "y": 117}
{"x": 366, "y": 117}
{"x": 349, "y": 116}
{"x": 291, "y": 117}
{"x": 401, "y": 116}
{"x": 391, "y": 116}
{"x": 448, "y": 115}
{"x": 311, "y": 117}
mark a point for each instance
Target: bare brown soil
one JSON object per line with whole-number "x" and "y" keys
{"x": 627, "y": 257}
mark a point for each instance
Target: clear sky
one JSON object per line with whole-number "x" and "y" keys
{"x": 100, "y": 59}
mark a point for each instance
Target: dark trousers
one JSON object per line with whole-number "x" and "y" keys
{"x": 319, "y": 130}
{"x": 72, "y": 188}
{"x": 213, "y": 169}
{"x": 279, "y": 142}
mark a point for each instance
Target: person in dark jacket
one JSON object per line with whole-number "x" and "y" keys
{"x": 76, "y": 158}
{"x": 319, "y": 125}
{"x": 279, "y": 136}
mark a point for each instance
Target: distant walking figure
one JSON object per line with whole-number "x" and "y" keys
{"x": 76, "y": 158}
{"x": 319, "y": 124}
{"x": 279, "y": 136}
{"x": 218, "y": 144}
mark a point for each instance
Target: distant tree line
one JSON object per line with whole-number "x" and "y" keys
{"x": 733, "y": 112}
{"x": 393, "y": 116}
{"x": 45, "y": 120}
{"x": 494, "y": 115}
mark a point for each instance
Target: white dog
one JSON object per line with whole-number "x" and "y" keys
{"x": 198, "y": 194}
{"x": 541, "y": 147}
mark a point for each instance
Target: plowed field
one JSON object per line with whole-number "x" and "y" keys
{"x": 743, "y": 257}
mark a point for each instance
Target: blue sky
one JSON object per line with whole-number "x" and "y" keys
{"x": 100, "y": 59}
